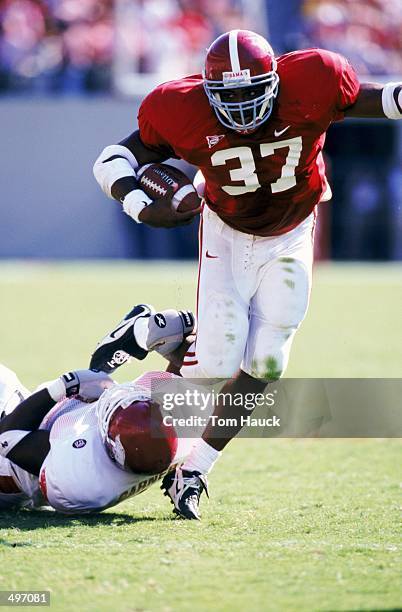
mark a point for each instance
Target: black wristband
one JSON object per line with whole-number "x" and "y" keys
{"x": 72, "y": 383}
{"x": 123, "y": 186}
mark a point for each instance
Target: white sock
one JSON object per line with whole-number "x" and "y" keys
{"x": 202, "y": 458}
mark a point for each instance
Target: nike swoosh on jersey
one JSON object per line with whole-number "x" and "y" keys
{"x": 280, "y": 132}
{"x": 211, "y": 256}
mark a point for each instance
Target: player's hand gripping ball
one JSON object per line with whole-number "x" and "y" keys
{"x": 162, "y": 181}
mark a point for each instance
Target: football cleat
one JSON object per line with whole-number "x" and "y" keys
{"x": 184, "y": 489}
{"x": 120, "y": 344}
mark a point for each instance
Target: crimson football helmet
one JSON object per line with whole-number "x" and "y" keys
{"x": 240, "y": 79}
{"x": 133, "y": 431}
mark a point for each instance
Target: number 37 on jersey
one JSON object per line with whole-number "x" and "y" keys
{"x": 246, "y": 172}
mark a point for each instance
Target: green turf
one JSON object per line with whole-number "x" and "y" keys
{"x": 292, "y": 525}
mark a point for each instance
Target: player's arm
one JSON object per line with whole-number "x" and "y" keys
{"x": 21, "y": 441}
{"x": 115, "y": 171}
{"x": 376, "y": 101}
{"x": 143, "y": 155}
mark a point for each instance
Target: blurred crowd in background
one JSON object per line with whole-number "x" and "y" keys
{"x": 68, "y": 45}
{"x": 50, "y": 46}
{"x": 65, "y": 46}
{"x": 367, "y": 32}
{"x": 61, "y": 47}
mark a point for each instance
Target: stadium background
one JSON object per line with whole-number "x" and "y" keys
{"x": 73, "y": 72}
{"x": 300, "y": 524}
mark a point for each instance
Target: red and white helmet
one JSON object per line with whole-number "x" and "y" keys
{"x": 244, "y": 60}
{"x": 133, "y": 431}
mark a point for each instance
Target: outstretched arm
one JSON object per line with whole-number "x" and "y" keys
{"x": 19, "y": 431}
{"x": 376, "y": 101}
{"x": 21, "y": 441}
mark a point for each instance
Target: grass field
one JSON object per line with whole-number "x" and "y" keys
{"x": 292, "y": 524}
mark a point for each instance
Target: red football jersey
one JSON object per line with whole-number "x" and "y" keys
{"x": 267, "y": 182}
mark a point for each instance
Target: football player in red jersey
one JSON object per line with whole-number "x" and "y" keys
{"x": 255, "y": 126}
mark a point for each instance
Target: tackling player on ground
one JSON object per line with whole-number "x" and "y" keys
{"x": 83, "y": 443}
{"x": 255, "y": 125}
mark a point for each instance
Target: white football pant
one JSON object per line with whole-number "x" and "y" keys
{"x": 18, "y": 488}
{"x": 253, "y": 293}
{"x": 12, "y": 391}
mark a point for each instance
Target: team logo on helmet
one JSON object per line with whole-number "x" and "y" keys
{"x": 241, "y": 77}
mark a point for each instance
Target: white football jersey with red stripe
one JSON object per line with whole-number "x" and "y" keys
{"x": 78, "y": 474}
{"x": 18, "y": 488}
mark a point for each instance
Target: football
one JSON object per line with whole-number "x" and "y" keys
{"x": 167, "y": 182}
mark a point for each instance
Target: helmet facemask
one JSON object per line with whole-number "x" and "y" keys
{"x": 249, "y": 114}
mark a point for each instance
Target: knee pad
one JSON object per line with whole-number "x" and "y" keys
{"x": 267, "y": 352}
{"x": 290, "y": 287}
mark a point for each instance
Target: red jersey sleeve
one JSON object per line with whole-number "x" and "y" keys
{"x": 346, "y": 81}
{"x": 149, "y": 114}
{"x": 315, "y": 85}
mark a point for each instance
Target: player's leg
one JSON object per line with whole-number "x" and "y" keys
{"x": 225, "y": 285}
{"x": 277, "y": 309}
{"x": 11, "y": 495}
{"x": 222, "y": 305}
{"x": 16, "y": 488}
{"x": 12, "y": 391}
{"x": 276, "y": 312}
{"x": 280, "y": 304}
{"x": 142, "y": 330}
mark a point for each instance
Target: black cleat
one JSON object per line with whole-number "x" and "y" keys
{"x": 120, "y": 344}
{"x": 184, "y": 489}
